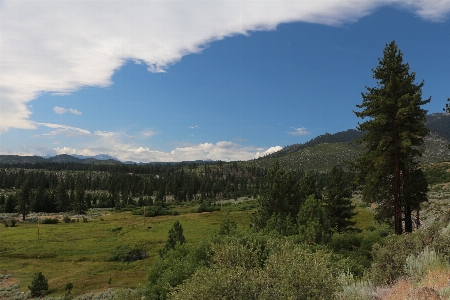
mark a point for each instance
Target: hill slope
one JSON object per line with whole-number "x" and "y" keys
{"x": 325, "y": 151}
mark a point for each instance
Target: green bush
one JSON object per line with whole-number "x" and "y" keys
{"x": 205, "y": 207}
{"x": 49, "y": 221}
{"x": 228, "y": 226}
{"x": 389, "y": 259}
{"x": 241, "y": 269}
{"x": 10, "y": 223}
{"x": 68, "y": 288}
{"x": 66, "y": 219}
{"x": 177, "y": 266}
{"x": 125, "y": 253}
{"x": 116, "y": 229}
{"x": 345, "y": 242}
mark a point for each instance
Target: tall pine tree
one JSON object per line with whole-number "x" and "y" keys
{"x": 393, "y": 135}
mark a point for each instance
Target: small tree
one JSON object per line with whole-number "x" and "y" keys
{"x": 447, "y": 106}
{"x": 313, "y": 224}
{"x": 68, "y": 287}
{"x": 9, "y": 204}
{"x": 337, "y": 201}
{"x": 228, "y": 226}
{"x": 175, "y": 237}
{"x": 39, "y": 285}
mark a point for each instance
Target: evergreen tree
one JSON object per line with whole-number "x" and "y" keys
{"x": 308, "y": 186}
{"x": 393, "y": 135}
{"x": 10, "y": 204}
{"x": 337, "y": 201}
{"x": 278, "y": 196}
{"x": 447, "y": 106}
{"x": 62, "y": 199}
{"x": 24, "y": 199}
{"x": 79, "y": 201}
{"x": 2, "y": 203}
{"x": 39, "y": 285}
{"x": 175, "y": 237}
{"x": 313, "y": 223}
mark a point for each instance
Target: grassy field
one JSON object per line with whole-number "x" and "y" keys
{"x": 79, "y": 252}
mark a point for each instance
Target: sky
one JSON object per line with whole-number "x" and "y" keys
{"x": 150, "y": 81}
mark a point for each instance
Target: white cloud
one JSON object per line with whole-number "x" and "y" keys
{"x": 74, "y": 111}
{"x": 272, "y": 150}
{"x": 104, "y": 133}
{"x": 61, "y": 110}
{"x": 194, "y": 127}
{"x": 223, "y": 150}
{"x": 299, "y": 131}
{"x": 61, "y": 46}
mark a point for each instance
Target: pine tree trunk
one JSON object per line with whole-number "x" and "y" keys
{"x": 397, "y": 199}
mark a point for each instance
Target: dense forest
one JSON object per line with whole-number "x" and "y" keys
{"x": 62, "y": 187}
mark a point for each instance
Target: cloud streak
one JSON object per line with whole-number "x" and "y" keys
{"x": 63, "y": 130}
{"x": 61, "y": 46}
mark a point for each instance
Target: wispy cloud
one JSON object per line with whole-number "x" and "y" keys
{"x": 61, "y": 46}
{"x": 193, "y": 127}
{"x": 299, "y": 131}
{"x": 61, "y": 110}
{"x": 63, "y": 130}
{"x": 148, "y": 133}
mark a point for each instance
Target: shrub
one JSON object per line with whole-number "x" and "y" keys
{"x": 228, "y": 226}
{"x": 290, "y": 271}
{"x": 207, "y": 207}
{"x": 68, "y": 287}
{"x": 66, "y": 219}
{"x": 389, "y": 259}
{"x": 177, "y": 266}
{"x": 125, "y": 253}
{"x": 117, "y": 229}
{"x": 10, "y": 223}
{"x": 50, "y": 221}
{"x": 39, "y": 285}
{"x": 417, "y": 266}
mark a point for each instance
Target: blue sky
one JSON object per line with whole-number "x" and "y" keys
{"x": 228, "y": 80}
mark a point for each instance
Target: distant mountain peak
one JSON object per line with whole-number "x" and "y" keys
{"x": 98, "y": 156}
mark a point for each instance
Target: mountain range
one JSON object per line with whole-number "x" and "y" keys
{"x": 320, "y": 153}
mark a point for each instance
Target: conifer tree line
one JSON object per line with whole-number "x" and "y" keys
{"x": 67, "y": 190}
{"x": 305, "y": 206}
{"x": 32, "y": 190}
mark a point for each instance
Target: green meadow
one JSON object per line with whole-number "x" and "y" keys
{"x": 78, "y": 252}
